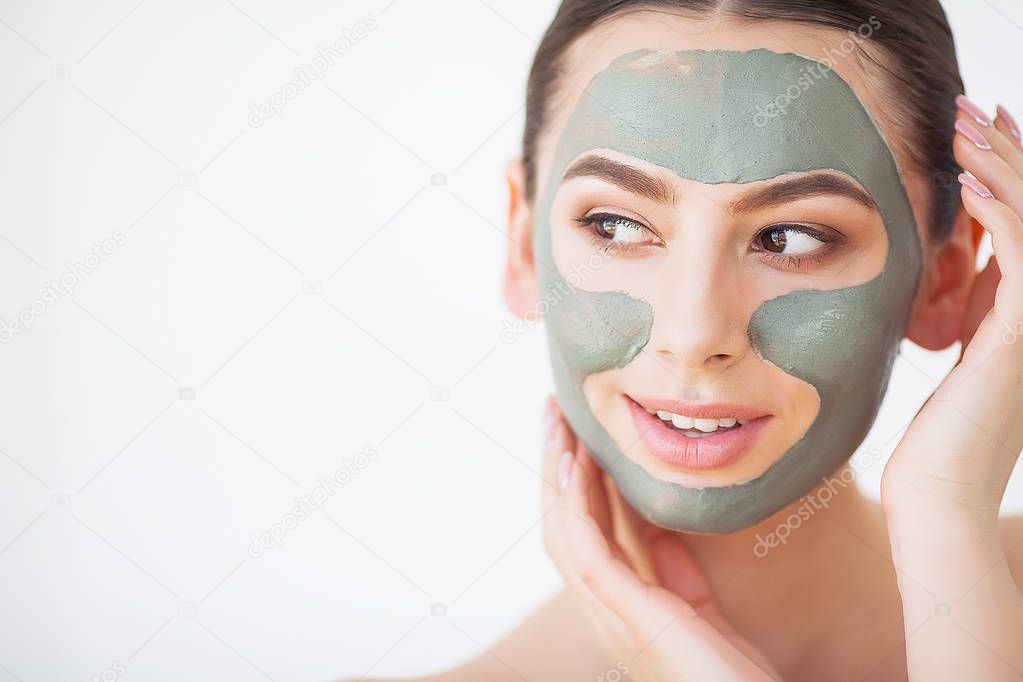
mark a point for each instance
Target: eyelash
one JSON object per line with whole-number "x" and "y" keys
{"x": 612, "y": 248}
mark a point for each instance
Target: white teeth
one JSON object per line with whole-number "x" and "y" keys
{"x": 705, "y": 425}
{"x": 681, "y": 421}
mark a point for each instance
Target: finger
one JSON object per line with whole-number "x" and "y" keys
{"x": 632, "y": 532}
{"x": 570, "y": 508}
{"x": 984, "y": 288}
{"x": 595, "y": 502}
{"x": 646, "y": 611}
{"x": 975, "y": 151}
{"x": 1006, "y": 229}
{"x": 558, "y": 439}
{"x": 600, "y": 564}
{"x": 1009, "y": 126}
{"x": 1002, "y": 145}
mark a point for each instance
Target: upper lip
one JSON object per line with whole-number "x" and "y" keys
{"x": 701, "y": 410}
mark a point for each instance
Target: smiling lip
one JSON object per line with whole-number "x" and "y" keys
{"x": 710, "y": 451}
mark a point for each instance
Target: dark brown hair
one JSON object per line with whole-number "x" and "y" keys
{"x": 913, "y": 51}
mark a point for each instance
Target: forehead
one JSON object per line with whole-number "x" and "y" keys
{"x": 590, "y": 56}
{"x": 720, "y": 116}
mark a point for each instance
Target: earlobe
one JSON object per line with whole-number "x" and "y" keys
{"x": 941, "y": 307}
{"x": 520, "y": 272}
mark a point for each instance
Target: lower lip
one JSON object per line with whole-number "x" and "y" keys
{"x": 711, "y": 451}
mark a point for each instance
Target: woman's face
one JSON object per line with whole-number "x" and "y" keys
{"x": 700, "y": 397}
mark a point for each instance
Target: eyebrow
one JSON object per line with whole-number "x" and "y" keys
{"x": 636, "y": 181}
{"x": 629, "y": 178}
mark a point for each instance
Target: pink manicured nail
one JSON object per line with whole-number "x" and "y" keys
{"x": 565, "y": 470}
{"x": 1013, "y": 126}
{"x": 548, "y": 415}
{"x": 976, "y": 185}
{"x": 973, "y": 135}
{"x": 973, "y": 110}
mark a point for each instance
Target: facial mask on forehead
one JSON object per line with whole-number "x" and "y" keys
{"x": 703, "y": 115}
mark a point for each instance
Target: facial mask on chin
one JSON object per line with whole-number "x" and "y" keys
{"x": 702, "y": 114}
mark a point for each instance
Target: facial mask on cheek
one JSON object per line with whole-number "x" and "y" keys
{"x": 703, "y": 115}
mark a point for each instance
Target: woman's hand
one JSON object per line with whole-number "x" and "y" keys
{"x": 668, "y": 631}
{"x": 943, "y": 486}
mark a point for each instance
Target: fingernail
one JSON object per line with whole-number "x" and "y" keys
{"x": 973, "y": 110}
{"x": 565, "y": 470}
{"x": 976, "y": 185}
{"x": 973, "y": 135}
{"x": 1013, "y": 126}
{"x": 548, "y": 441}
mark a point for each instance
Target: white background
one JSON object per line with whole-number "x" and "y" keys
{"x": 126, "y": 511}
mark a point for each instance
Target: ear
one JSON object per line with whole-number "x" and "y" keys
{"x": 520, "y": 291}
{"x": 949, "y": 274}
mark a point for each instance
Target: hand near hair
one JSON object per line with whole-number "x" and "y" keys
{"x": 661, "y": 631}
{"x": 943, "y": 486}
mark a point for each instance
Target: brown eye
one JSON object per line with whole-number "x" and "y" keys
{"x": 774, "y": 240}
{"x": 791, "y": 239}
{"x": 616, "y": 228}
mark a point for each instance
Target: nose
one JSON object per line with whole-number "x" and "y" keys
{"x": 700, "y": 320}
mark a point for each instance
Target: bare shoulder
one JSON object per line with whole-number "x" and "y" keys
{"x": 556, "y": 642}
{"x": 1012, "y": 539}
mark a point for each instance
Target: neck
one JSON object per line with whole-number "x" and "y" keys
{"x": 824, "y": 554}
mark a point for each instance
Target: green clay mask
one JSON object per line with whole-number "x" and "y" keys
{"x": 701, "y": 114}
